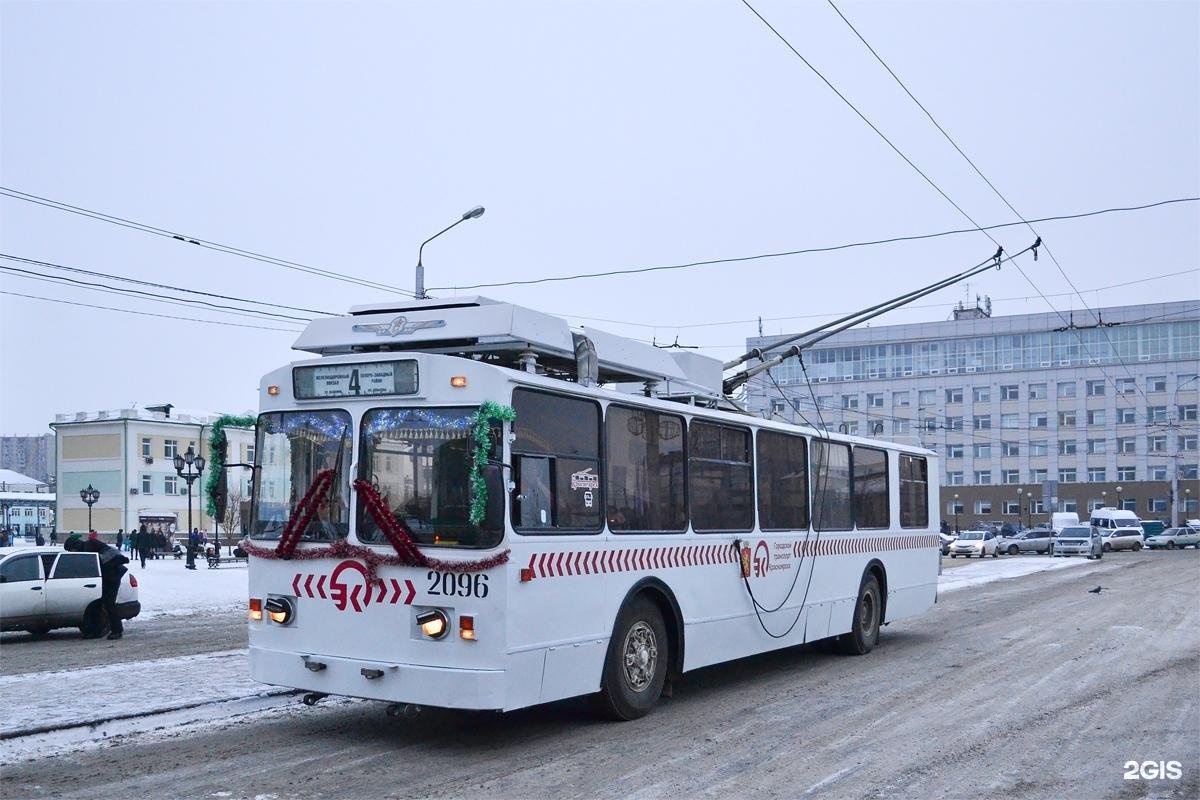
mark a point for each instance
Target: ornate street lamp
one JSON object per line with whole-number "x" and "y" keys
{"x": 474, "y": 213}
{"x": 89, "y": 495}
{"x": 1020, "y": 520}
{"x": 956, "y": 513}
{"x": 1119, "y": 506}
{"x": 190, "y": 467}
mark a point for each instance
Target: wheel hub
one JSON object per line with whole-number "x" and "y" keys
{"x": 639, "y": 657}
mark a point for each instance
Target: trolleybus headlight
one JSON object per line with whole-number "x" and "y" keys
{"x": 466, "y": 627}
{"x": 434, "y": 623}
{"x": 280, "y": 610}
{"x": 255, "y": 608}
{"x": 458, "y": 381}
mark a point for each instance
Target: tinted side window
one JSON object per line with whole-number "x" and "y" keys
{"x": 782, "y": 481}
{"x": 644, "y": 470}
{"x": 831, "y": 486}
{"x": 77, "y": 565}
{"x": 914, "y": 492}
{"x": 21, "y": 568}
{"x": 870, "y": 488}
{"x": 556, "y": 463}
{"x": 719, "y": 479}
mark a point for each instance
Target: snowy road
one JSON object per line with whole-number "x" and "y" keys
{"x": 1004, "y": 688}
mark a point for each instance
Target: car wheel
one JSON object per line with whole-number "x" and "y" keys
{"x": 1170, "y": 545}
{"x": 1137, "y": 546}
{"x": 995, "y": 553}
{"x": 864, "y": 631}
{"x": 95, "y": 621}
{"x": 1107, "y": 547}
{"x": 1013, "y": 550}
{"x": 40, "y": 630}
{"x": 636, "y": 667}
{"x": 954, "y": 555}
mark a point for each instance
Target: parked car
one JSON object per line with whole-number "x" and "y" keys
{"x": 975, "y": 543}
{"x": 947, "y": 539}
{"x": 1127, "y": 538}
{"x": 1078, "y": 540}
{"x": 1175, "y": 537}
{"x": 46, "y": 587}
{"x": 1034, "y": 540}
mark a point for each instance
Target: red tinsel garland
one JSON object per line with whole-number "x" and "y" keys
{"x": 397, "y": 534}
{"x": 303, "y": 514}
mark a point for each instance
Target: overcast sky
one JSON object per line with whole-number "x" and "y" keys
{"x": 599, "y": 136}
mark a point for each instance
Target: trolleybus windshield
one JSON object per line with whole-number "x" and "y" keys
{"x": 418, "y": 460}
{"x": 294, "y": 448}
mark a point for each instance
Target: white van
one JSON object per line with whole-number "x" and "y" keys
{"x": 1063, "y": 519}
{"x": 1110, "y": 518}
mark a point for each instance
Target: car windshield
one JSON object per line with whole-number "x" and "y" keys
{"x": 971, "y": 535}
{"x": 1076, "y": 532}
{"x": 293, "y": 449}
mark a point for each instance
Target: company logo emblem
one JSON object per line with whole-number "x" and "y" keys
{"x": 399, "y": 326}
{"x": 353, "y": 591}
{"x": 762, "y": 559}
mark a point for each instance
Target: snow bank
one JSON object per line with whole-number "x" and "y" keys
{"x": 1004, "y": 569}
{"x": 166, "y": 588}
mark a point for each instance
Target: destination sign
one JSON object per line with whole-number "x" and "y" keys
{"x": 355, "y": 380}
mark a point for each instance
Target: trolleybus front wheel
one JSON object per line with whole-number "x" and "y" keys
{"x": 636, "y": 666}
{"x": 864, "y": 632}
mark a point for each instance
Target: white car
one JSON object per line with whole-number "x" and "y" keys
{"x": 1175, "y": 537}
{"x": 1124, "y": 538}
{"x": 1078, "y": 540}
{"x": 975, "y": 543}
{"x": 46, "y": 587}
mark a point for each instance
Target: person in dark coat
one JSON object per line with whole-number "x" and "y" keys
{"x": 54, "y": 537}
{"x": 112, "y": 568}
{"x": 192, "y": 546}
{"x": 141, "y": 544}
{"x": 38, "y": 539}
{"x": 120, "y": 538}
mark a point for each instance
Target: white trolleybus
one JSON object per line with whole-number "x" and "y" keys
{"x": 467, "y": 504}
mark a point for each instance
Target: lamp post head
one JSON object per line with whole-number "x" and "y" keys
{"x": 474, "y": 213}
{"x": 189, "y": 456}
{"x": 198, "y": 464}
{"x": 178, "y": 463}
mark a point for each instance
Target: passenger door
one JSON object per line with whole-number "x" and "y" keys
{"x": 22, "y": 595}
{"x": 74, "y": 583}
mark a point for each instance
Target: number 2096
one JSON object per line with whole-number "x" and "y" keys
{"x": 457, "y": 584}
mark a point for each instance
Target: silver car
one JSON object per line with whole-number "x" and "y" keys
{"x": 1127, "y": 538}
{"x": 1034, "y": 540}
{"x": 1078, "y": 540}
{"x": 1175, "y": 537}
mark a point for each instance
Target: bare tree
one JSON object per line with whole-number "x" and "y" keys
{"x": 232, "y": 519}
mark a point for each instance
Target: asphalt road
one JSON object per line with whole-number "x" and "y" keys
{"x": 1028, "y": 688}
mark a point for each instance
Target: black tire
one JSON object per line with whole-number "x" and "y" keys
{"x": 995, "y": 553}
{"x": 1013, "y": 550}
{"x": 954, "y": 555}
{"x": 40, "y": 630}
{"x": 864, "y": 631}
{"x": 636, "y": 666}
{"x": 1137, "y": 546}
{"x": 95, "y": 621}
{"x": 1107, "y": 548}
{"x": 1171, "y": 545}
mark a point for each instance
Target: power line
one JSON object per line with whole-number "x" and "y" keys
{"x": 146, "y": 313}
{"x": 811, "y": 250}
{"x": 52, "y": 265}
{"x": 208, "y": 244}
{"x": 151, "y": 296}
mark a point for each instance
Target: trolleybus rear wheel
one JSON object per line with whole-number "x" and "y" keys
{"x": 636, "y": 666}
{"x": 864, "y": 632}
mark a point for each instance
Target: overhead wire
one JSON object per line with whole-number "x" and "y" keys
{"x": 146, "y": 313}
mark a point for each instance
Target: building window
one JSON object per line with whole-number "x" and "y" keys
{"x": 981, "y": 394}
{"x": 1067, "y": 447}
{"x": 982, "y": 423}
{"x": 955, "y": 507}
{"x": 1038, "y": 475}
{"x": 900, "y": 426}
{"x": 1066, "y": 419}
{"x": 1010, "y": 421}
{"x": 1157, "y": 505}
{"x": 146, "y": 451}
{"x": 1039, "y": 420}
{"x": 1096, "y": 446}
{"x": 930, "y": 423}
{"x": 1012, "y": 507}
{"x": 954, "y": 395}
{"x": 1156, "y": 444}
{"x": 1069, "y": 505}
{"x": 1127, "y": 473}
{"x": 1037, "y": 391}
{"x": 1095, "y": 388}
{"x": 982, "y": 450}
{"x": 1126, "y": 386}
{"x": 1127, "y": 444}
{"x": 983, "y": 477}
{"x": 147, "y": 487}
{"x": 1010, "y": 449}
{"x": 1095, "y": 503}
{"x": 1066, "y": 389}
{"x": 1038, "y": 507}
{"x": 1188, "y": 472}
{"x": 1037, "y": 448}
{"x": 1096, "y": 417}
{"x": 849, "y": 401}
{"x": 954, "y": 479}
{"x": 777, "y": 406}
{"x": 954, "y": 423}
{"x": 1066, "y": 475}
{"x": 875, "y": 399}
{"x": 954, "y": 451}
{"x": 1156, "y": 413}
{"x": 1097, "y": 474}
{"x": 1008, "y": 392}
{"x": 983, "y": 506}
{"x": 926, "y": 398}
{"x": 1157, "y": 383}
{"x": 171, "y": 484}
{"x": 851, "y": 427}
{"x": 1187, "y": 413}
{"x": 1010, "y": 476}
{"x": 249, "y": 454}
{"x": 1187, "y": 443}
{"x": 1157, "y": 472}
{"x": 899, "y": 399}
{"x": 1126, "y": 416}
{"x": 170, "y": 448}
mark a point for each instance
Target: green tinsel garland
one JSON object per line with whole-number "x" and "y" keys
{"x": 215, "y": 461}
{"x": 481, "y": 436}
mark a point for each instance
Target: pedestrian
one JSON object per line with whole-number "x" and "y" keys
{"x": 92, "y": 535}
{"x": 54, "y": 536}
{"x": 193, "y": 543}
{"x": 112, "y": 568}
{"x": 39, "y": 539}
{"x": 143, "y": 544}
{"x": 120, "y": 538}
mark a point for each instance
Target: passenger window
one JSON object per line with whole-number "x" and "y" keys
{"x": 77, "y": 565}
{"x": 556, "y": 463}
{"x": 719, "y": 478}
{"x": 914, "y": 492}
{"x": 831, "y": 486}
{"x": 782, "y": 481}
{"x": 871, "y": 488}
{"x": 21, "y": 568}
{"x": 644, "y": 470}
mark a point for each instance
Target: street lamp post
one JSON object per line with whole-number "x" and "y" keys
{"x": 89, "y": 496}
{"x": 1119, "y": 506}
{"x": 1104, "y": 499}
{"x": 190, "y": 467}
{"x": 1020, "y": 519}
{"x": 474, "y": 213}
{"x": 956, "y": 513}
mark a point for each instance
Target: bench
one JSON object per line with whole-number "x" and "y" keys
{"x": 216, "y": 561}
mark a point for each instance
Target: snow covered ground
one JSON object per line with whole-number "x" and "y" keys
{"x": 990, "y": 570}
{"x": 165, "y": 587}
